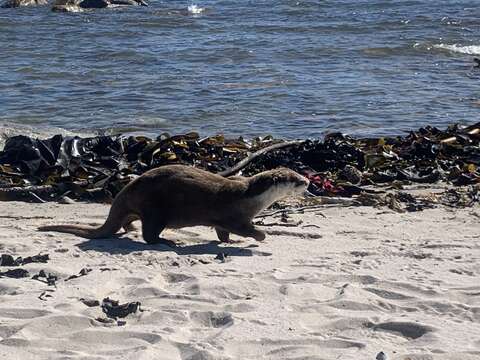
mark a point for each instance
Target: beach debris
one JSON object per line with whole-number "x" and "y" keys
{"x": 82, "y": 272}
{"x": 90, "y": 302}
{"x": 477, "y": 62}
{"x": 114, "y": 310}
{"x": 381, "y": 356}
{"x": 105, "y": 320}
{"x": 282, "y": 223}
{"x": 9, "y": 260}
{"x": 49, "y": 279}
{"x": 338, "y": 166}
{"x": 108, "y": 269}
{"x": 45, "y": 294}
{"x": 15, "y": 273}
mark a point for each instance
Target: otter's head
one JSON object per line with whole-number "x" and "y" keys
{"x": 276, "y": 184}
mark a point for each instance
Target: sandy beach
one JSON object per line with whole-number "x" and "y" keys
{"x": 346, "y": 283}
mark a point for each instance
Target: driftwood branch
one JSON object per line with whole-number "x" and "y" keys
{"x": 241, "y": 164}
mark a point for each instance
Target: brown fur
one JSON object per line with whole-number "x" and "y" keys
{"x": 177, "y": 196}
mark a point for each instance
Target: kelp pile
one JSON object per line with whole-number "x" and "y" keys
{"x": 341, "y": 165}
{"x": 97, "y": 168}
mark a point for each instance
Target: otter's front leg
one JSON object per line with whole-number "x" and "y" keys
{"x": 223, "y": 236}
{"x": 246, "y": 229}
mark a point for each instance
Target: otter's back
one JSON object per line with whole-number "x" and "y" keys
{"x": 187, "y": 196}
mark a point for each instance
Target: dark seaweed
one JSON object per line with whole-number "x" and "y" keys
{"x": 114, "y": 310}
{"x": 97, "y": 168}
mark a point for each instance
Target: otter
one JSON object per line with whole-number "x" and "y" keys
{"x": 176, "y": 196}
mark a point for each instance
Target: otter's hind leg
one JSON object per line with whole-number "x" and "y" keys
{"x": 245, "y": 229}
{"x": 151, "y": 230}
{"x": 127, "y": 224}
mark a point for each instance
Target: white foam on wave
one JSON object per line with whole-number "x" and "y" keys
{"x": 469, "y": 50}
{"x": 195, "y": 9}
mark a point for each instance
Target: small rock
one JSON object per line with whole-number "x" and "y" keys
{"x": 15, "y": 273}
{"x": 381, "y": 356}
{"x": 35, "y": 259}
{"x": 114, "y": 310}
{"x": 7, "y": 260}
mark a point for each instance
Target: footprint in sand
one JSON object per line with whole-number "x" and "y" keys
{"x": 9, "y": 290}
{"x": 211, "y": 319}
{"x": 191, "y": 352}
{"x": 145, "y": 292}
{"x": 9, "y": 330}
{"x": 388, "y": 295}
{"x": 177, "y": 277}
{"x": 22, "y": 313}
{"x": 240, "y": 308}
{"x": 170, "y": 317}
{"x": 408, "y": 330}
{"x": 115, "y": 339}
{"x": 55, "y": 326}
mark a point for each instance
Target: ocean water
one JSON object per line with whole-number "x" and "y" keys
{"x": 290, "y": 68}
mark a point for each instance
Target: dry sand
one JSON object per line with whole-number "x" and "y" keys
{"x": 345, "y": 286}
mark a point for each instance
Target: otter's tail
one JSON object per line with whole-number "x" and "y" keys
{"x": 112, "y": 225}
{"x": 89, "y": 232}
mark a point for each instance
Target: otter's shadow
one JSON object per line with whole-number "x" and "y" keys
{"x": 126, "y": 245}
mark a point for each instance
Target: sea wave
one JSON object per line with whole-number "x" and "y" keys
{"x": 469, "y": 49}
{"x": 195, "y": 9}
